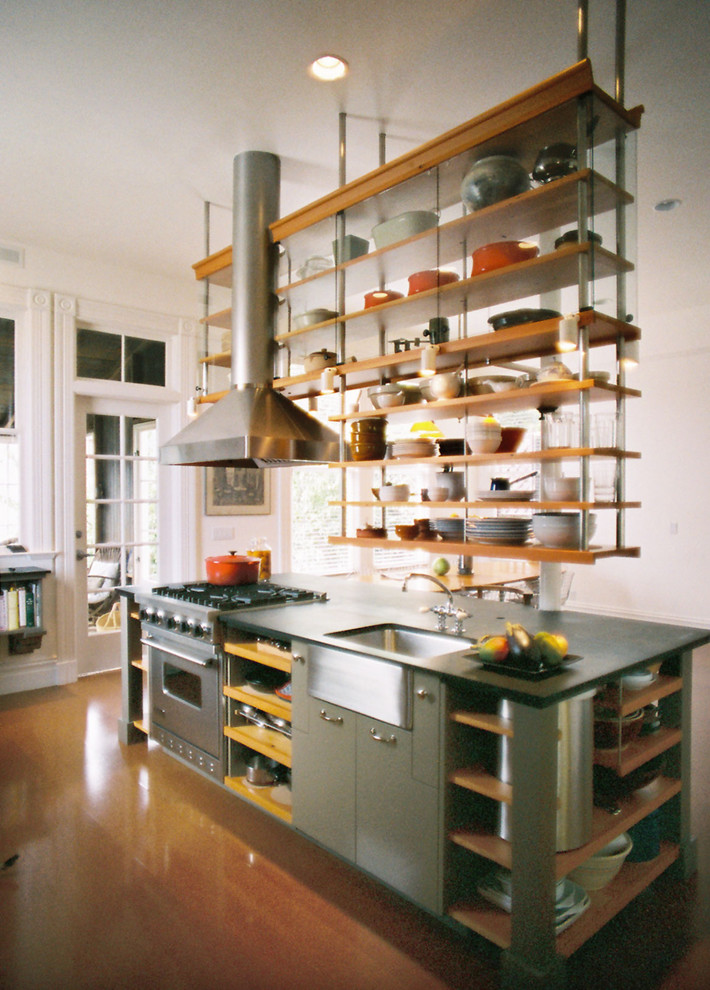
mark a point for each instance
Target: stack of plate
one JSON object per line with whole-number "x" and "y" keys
{"x": 448, "y": 528}
{"x": 500, "y": 495}
{"x": 512, "y": 530}
{"x": 571, "y": 900}
{"x": 416, "y": 447}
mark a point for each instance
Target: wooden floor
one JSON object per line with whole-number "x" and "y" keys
{"x": 134, "y": 871}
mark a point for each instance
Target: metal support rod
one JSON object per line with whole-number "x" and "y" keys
{"x": 340, "y": 306}
{"x": 620, "y": 51}
{"x": 582, "y": 29}
{"x": 206, "y": 298}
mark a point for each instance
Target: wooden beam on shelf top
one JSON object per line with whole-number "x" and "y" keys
{"x": 528, "y": 456}
{"x": 526, "y": 106}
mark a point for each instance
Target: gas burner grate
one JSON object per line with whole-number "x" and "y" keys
{"x": 224, "y": 598}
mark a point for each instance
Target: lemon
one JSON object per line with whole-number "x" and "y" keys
{"x": 441, "y": 566}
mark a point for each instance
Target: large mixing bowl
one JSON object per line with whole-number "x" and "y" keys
{"x": 493, "y": 179}
{"x": 405, "y": 225}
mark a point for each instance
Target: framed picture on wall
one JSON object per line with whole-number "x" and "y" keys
{"x": 231, "y": 491}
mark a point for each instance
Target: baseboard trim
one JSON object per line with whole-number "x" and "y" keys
{"x": 30, "y": 676}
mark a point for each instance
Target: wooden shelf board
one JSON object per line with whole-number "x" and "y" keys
{"x": 486, "y": 504}
{"x": 478, "y": 780}
{"x": 556, "y": 269}
{"x": 605, "y": 827}
{"x": 639, "y": 751}
{"x": 554, "y": 97}
{"x": 528, "y": 551}
{"x": 261, "y": 653}
{"x": 260, "y": 796}
{"x": 140, "y": 664}
{"x": 141, "y": 725}
{"x": 216, "y": 267}
{"x": 541, "y": 396}
{"x": 662, "y": 687}
{"x": 265, "y": 741}
{"x": 551, "y": 455}
{"x": 484, "y": 720}
{"x": 248, "y": 696}
{"x": 494, "y": 923}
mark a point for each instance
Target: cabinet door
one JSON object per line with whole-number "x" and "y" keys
{"x": 323, "y": 785}
{"x": 426, "y": 714}
{"x": 397, "y": 815}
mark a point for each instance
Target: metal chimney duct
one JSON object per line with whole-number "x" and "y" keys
{"x": 253, "y": 425}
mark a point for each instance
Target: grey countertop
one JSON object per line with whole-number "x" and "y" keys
{"x": 608, "y": 646}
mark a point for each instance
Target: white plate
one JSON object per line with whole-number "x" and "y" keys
{"x": 511, "y": 495}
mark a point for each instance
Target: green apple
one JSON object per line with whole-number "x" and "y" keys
{"x": 441, "y": 566}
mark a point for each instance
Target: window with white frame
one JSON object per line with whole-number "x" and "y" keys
{"x": 9, "y": 443}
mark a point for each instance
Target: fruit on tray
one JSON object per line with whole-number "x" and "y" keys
{"x": 553, "y": 647}
{"x": 493, "y": 649}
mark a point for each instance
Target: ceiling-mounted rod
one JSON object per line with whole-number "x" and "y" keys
{"x": 206, "y": 334}
{"x": 620, "y": 51}
{"x": 582, "y": 29}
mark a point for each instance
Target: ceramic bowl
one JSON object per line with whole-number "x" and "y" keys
{"x": 368, "y": 450}
{"x": 313, "y": 316}
{"x": 511, "y": 438}
{"x": 601, "y": 868}
{"x": 405, "y": 225}
{"x": 446, "y": 385}
{"x": 385, "y": 396}
{"x": 499, "y": 254}
{"x": 560, "y": 529}
{"x": 393, "y": 493}
{"x": 353, "y": 247}
{"x": 406, "y": 531}
{"x": 492, "y": 179}
{"x": 554, "y": 162}
{"x": 362, "y": 428}
{"x": 562, "y": 489}
{"x": 379, "y": 296}
{"x": 613, "y": 730}
{"x": 430, "y": 279}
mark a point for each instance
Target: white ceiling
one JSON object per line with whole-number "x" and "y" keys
{"x": 120, "y": 119}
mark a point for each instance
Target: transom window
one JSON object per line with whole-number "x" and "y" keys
{"x": 119, "y": 357}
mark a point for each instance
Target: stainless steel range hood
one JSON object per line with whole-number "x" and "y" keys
{"x": 253, "y": 425}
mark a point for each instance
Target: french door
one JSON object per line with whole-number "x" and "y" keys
{"x": 116, "y": 516}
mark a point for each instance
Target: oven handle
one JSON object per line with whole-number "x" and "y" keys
{"x": 158, "y": 644}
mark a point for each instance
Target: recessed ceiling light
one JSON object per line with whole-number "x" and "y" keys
{"x": 328, "y": 67}
{"x": 666, "y": 205}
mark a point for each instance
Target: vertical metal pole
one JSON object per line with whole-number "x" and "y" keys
{"x": 620, "y": 51}
{"x": 206, "y": 298}
{"x": 340, "y": 294}
{"x": 621, "y": 297}
{"x": 582, "y": 29}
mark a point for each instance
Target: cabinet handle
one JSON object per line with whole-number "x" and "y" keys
{"x": 330, "y": 718}
{"x": 297, "y": 658}
{"x": 423, "y": 693}
{"x": 383, "y": 739}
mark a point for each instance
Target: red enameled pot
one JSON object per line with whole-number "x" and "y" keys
{"x": 233, "y": 568}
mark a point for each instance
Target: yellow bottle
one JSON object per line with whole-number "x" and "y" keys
{"x": 261, "y": 549}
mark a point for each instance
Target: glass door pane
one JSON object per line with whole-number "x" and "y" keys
{"x": 121, "y": 506}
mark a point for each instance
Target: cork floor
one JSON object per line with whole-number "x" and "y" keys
{"x": 134, "y": 871}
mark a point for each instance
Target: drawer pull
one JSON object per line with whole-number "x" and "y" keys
{"x": 330, "y": 718}
{"x": 423, "y": 693}
{"x": 383, "y": 739}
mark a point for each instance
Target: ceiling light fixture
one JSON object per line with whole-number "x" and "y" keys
{"x": 327, "y": 68}
{"x": 666, "y": 205}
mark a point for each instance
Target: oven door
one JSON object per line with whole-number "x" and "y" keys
{"x": 185, "y": 686}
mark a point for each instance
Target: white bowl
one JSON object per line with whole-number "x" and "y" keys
{"x": 562, "y": 489}
{"x": 560, "y": 529}
{"x": 601, "y": 868}
{"x": 446, "y": 385}
{"x": 385, "y": 396}
{"x": 313, "y": 316}
{"x": 639, "y": 679}
{"x": 402, "y": 226}
{"x": 394, "y": 493}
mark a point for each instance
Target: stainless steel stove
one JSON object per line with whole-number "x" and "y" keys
{"x": 181, "y": 629}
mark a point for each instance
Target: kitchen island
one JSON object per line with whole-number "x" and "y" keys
{"x": 404, "y": 791}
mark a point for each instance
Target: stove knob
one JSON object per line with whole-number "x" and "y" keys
{"x": 159, "y": 617}
{"x": 206, "y": 630}
{"x": 148, "y": 614}
{"x": 195, "y": 628}
{"x": 174, "y": 622}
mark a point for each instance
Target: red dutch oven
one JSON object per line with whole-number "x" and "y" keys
{"x": 502, "y": 253}
{"x": 233, "y": 568}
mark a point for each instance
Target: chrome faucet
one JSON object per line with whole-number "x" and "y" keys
{"x": 442, "y": 612}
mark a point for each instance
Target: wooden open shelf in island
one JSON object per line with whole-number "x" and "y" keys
{"x": 270, "y": 656}
{"x": 605, "y": 827}
{"x": 629, "y": 701}
{"x": 495, "y": 924}
{"x": 270, "y": 702}
{"x": 268, "y": 742}
{"x": 638, "y": 752}
{"x": 259, "y": 795}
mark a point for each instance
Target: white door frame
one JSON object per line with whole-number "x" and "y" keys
{"x": 178, "y": 522}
